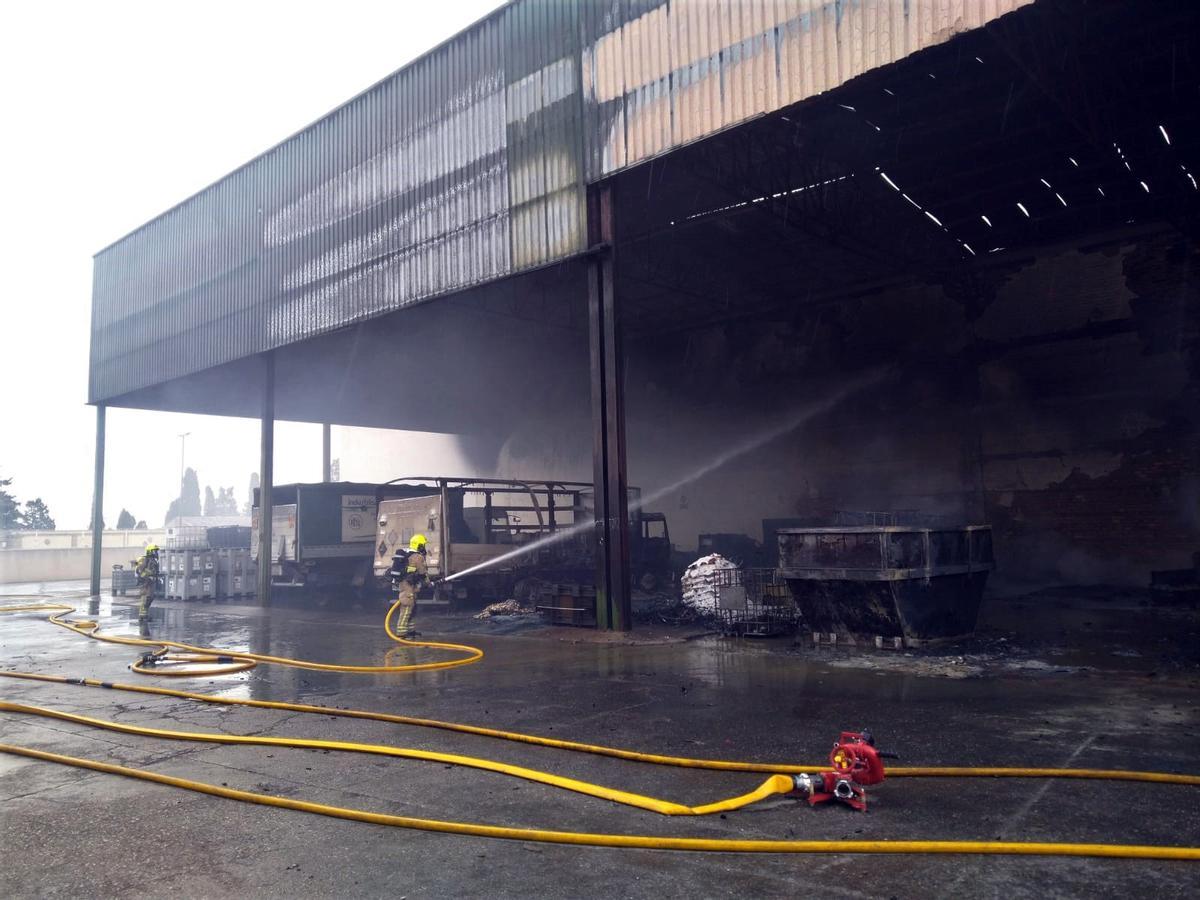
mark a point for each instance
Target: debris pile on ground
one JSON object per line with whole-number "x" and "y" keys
{"x": 665, "y": 608}
{"x": 506, "y": 608}
{"x": 703, "y": 578}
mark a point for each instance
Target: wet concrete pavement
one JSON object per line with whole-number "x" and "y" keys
{"x": 71, "y": 832}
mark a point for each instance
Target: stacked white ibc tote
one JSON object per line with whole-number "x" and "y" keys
{"x": 235, "y": 572}
{"x": 204, "y": 563}
{"x": 235, "y": 576}
{"x": 191, "y": 574}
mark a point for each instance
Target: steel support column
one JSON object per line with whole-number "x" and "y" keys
{"x": 98, "y": 503}
{"x": 266, "y": 480}
{"x": 608, "y": 418}
{"x": 326, "y": 441}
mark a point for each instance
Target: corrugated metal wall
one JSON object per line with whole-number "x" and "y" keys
{"x": 468, "y": 165}
{"x": 660, "y": 74}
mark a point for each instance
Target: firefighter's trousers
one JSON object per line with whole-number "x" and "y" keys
{"x": 146, "y": 588}
{"x": 407, "y": 595}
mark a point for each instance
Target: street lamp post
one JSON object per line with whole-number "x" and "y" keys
{"x": 182, "y": 457}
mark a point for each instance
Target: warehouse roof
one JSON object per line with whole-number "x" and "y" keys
{"x": 464, "y": 167}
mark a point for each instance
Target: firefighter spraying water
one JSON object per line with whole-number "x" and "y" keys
{"x": 409, "y": 573}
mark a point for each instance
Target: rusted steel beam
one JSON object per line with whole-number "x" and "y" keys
{"x": 613, "y": 608}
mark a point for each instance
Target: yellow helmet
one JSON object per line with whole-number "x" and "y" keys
{"x": 418, "y": 542}
{"x": 152, "y": 548}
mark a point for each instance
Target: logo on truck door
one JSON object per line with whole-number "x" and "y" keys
{"x": 358, "y": 517}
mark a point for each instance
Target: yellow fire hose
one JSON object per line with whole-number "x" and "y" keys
{"x": 683, "y": 762}
{"x": 778, "y": 783}
{"x": 185, "y": 664}
{"x": 626, "y": 841}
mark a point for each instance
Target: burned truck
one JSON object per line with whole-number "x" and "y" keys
{"x": 323, "y": 534}
{"x": 338, "y": 538}
{"x": 501, "y": 538}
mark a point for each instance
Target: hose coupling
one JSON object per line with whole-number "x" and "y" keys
{"x": 808, "y": 785}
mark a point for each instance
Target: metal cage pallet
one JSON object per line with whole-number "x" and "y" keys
{"x": 763, "y": 607}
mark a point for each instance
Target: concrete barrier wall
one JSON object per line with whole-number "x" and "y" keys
{"x": 65, "y": 539}
{"x": 60, "y": 564}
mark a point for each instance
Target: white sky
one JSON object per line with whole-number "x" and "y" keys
{"x": 113, "y": 112}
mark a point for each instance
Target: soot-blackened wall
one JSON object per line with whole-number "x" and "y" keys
{"x": 1060, "y": 405}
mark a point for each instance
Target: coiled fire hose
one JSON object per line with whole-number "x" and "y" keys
{"x": 780, "y": 781}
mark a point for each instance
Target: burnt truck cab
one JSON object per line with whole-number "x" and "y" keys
{"x": 651, "y": 554}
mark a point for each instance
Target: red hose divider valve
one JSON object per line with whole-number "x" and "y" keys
{"x": 856, "y": 764}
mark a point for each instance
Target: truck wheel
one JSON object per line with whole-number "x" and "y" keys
{"x": 648, "y": 582}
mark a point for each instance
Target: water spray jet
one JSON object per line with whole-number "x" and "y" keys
{"x": 789, "y": 424}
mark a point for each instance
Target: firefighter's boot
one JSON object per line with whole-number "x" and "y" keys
{"x": 404, "y": 622}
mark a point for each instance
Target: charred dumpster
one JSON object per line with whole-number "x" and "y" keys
{"x": 918, "y": 584}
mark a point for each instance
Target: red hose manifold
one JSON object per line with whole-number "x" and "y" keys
{"x": 856, "y": 763}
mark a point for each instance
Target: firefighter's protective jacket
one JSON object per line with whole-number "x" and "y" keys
{"x": 408, "y": 566}
{"x": 147, "y": 568}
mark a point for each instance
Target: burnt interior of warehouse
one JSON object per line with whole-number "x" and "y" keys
{"x": 968, "y": 281}
{"x": 851, "y": 366}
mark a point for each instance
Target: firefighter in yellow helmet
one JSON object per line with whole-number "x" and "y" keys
{"x": 409, "y": 574}
{"x": 147, "y": 570}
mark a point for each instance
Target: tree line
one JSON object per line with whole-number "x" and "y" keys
{"x": 222, "y": 503}
{"x": 32, "y": 515}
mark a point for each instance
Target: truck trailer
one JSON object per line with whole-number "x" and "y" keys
{"x": 321, "y": 534}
